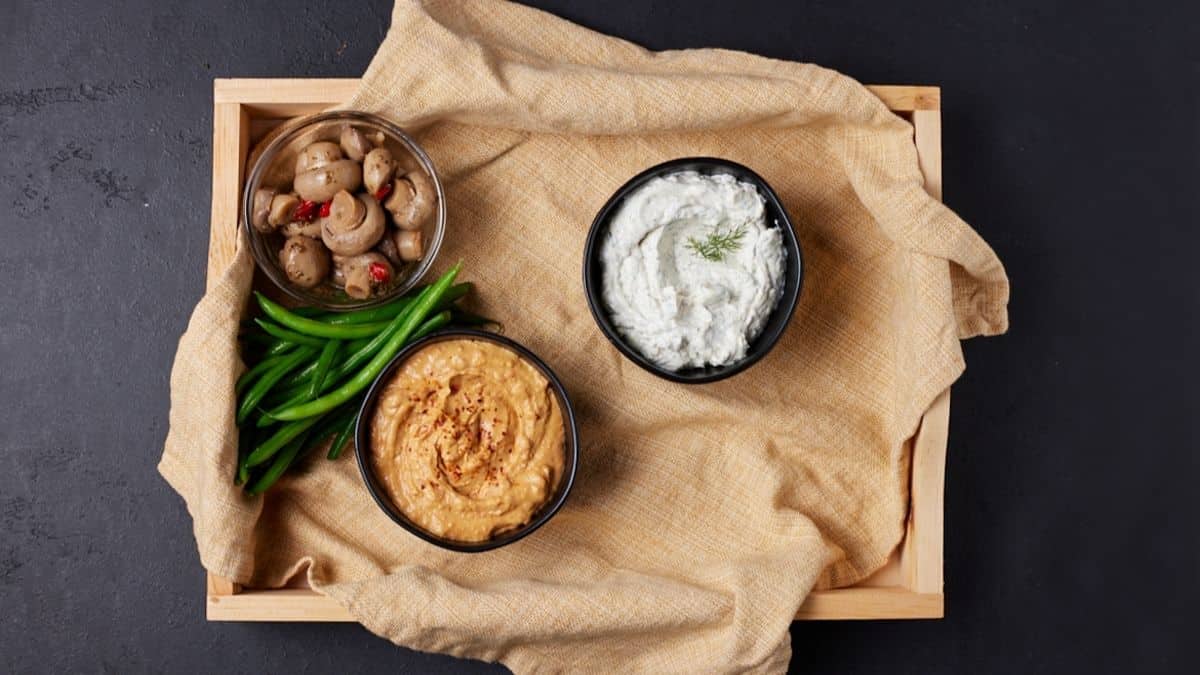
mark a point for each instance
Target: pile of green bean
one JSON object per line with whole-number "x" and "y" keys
{"x": 312, "y": 370}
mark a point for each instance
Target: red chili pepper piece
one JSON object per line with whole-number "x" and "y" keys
{"x": 379, "y": 272}
{"x": 325, "y": 206}
{"x": 306, "y": 211}
{"x": 383, "y": 191}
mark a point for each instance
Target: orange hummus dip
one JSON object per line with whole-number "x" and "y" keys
{"x": 468, "y": 439}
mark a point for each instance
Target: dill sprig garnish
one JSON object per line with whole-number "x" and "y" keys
{"x": 717, "y": 244}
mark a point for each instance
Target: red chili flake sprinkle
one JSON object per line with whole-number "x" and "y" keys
{"x": 383, "y": 191}
{"x": 325, "y": 207}
{"x": 306, "y": 211}
{"x": 379, "y": 272}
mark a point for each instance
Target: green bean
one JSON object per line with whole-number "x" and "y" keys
{"x": 339, "y": 443}
{"x": 278, "y": 467}
{"x": 389, "y": 311}
{"x": 313, "y": 327}
{"x": 305, "y": 373}
{"x": 259, "y": 368}
{"x": 382, "y": 313}
{"x": 327, "y": 355}
{"x": 407, "y": 322}
{"x": 433, "y": 323}
{"x": 280, "y": 347}
{"x": 282, "y": 436}
{"x": 268, "y": 380}
{"x": 266, "y": 420}
{"x": 281, "y": 333}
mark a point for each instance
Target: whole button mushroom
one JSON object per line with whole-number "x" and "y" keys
{"x": 262, "y": 209}
{"x": 283, "y": 206}
{"x": 412, "y": 200}
{"x": 355, "y": 224}
{"x": 317, "y": 155}
{"x": 305, "y": 261}
{"x": 359, "y": 275}
{"x": 378, "y": 169}
{"x": 322, "y": 183}
{"x": 409, "y": 244}
{"x": 354, "y": 143}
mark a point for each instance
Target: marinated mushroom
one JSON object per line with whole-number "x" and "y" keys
{"x": 283, "y": 206}
{"x": 409, "y": 244}
{"x": 262, "y": 209}
{"x": 355, "y": 224}
{"x": 361, "y": 274}
{"x": 412, "y": 200}
{"x": 354, "y": 144}
{"x": 378, "y": 169}
{"x": 317, "y": 155}
{"x": 322, "y": 183}
{"x": 305, "y": 261}
{"x": 345, "y": 208}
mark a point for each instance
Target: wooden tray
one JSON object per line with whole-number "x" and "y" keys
{"x": 908, "y": 587}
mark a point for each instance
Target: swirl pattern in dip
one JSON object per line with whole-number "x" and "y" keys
{"x": 468, "y": 439}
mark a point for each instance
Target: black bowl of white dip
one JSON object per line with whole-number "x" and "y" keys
{"x": 693, "y": 270}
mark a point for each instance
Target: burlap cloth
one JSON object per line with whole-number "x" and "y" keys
{"x": 702, "y": 515}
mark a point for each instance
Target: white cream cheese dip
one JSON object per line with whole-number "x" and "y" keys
{"x": 691, "y": 271}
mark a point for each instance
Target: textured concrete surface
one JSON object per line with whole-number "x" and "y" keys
{"x": 1071, "y": 144}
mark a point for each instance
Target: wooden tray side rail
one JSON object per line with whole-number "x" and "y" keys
{"x": 908, "y": 587}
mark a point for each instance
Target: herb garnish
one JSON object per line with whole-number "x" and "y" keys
{"x": 717, "y": 244}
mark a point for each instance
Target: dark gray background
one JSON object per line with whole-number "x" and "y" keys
{"x": 1072, "y": 138}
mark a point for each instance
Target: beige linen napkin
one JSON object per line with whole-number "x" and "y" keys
{"x": 702, "y": 515}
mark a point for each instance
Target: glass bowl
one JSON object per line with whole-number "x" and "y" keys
{"x": 274, "y": 169}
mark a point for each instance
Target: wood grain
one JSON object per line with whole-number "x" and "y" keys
{"x": 288, "y": 98}
{"x": 285, "y": 604}
{"x": 231, "y": 141}
{"x": 871, "y": 603}
{"x": 908, "y": 587}
{"x": 921, "y": 552}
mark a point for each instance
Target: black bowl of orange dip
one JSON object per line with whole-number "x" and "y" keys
{"x": 467, "y": 440}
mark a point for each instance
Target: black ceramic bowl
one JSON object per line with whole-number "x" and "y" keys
{"x": 362, "y": 435}
{"x": 776, "y": 217}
